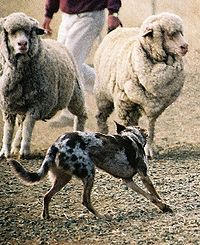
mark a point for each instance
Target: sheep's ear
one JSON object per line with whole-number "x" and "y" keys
{"x": 35, "y": 23}
{"x": 39, "y": 31}
{"x": 120, "y": 127}
{"x": 148, "y": 32}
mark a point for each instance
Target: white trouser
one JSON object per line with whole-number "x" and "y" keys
{"x": 78, "y": 33}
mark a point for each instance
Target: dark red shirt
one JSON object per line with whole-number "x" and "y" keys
{"x": 80, "y": 6}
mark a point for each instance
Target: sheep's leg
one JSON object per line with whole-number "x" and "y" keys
{"x": 27, "y": 130}
{"x": 9, "y": 124}
{"x": 18, "y": 137}
{"x": 128, "y": 113}
{"x": 79, "y": 122}
{"x": 150, "y": 148}
{"x": 59, "y": 182}
{"x": 149, "y": 196}
{"x": 105, "y": 108}
{"x": 77, "y": 107}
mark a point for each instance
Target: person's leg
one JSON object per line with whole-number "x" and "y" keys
{"x": 78, "y": 33}
{"x": 80, "y": 39}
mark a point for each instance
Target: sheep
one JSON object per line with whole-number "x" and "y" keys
{"x": 139, "y": 72}
{"x": 38, "y": 78}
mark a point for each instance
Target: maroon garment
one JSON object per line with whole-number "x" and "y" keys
{"x": 80, "y": 6}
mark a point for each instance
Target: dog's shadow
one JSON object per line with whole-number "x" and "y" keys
{"x": 180, "y": 152}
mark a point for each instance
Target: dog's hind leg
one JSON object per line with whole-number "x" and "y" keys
{"x": 88, "y": 184}
{"x": 59, "y": 182}
{"x": 162, "y": 206}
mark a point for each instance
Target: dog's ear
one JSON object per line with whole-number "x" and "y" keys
{"x": 144, "y": 132}
{"x": 120, "y": 127}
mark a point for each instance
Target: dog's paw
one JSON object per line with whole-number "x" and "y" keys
{"x": 108, "y": 217}
{"x": 167, "y": 209}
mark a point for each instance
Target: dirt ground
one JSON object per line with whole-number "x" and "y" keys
{"x": 175, "y": 173}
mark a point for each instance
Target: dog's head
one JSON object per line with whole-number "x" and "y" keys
{"x": 135, "y": 132}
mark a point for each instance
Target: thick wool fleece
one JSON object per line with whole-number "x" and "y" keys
{"x": 126, "y": 72}
{"x": 43, "y": 81}
{"x": 136, "y": 74}
{"x": 35, "y": 85}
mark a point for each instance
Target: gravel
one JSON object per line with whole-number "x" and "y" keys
{"x": 175, "y": 173}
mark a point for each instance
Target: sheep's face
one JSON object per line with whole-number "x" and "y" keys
{"x": 174, "y": 43}
{"x": 161, "y": 36}
{"x": 19, "y": 42}
{"x": 19, "y": 36}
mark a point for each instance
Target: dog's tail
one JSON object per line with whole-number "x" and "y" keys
{"x": 30, "y": 178}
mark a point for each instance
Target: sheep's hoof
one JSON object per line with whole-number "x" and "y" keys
{"x": 24, "y": 157}
{"x": 4, "y": 155}
{"x": 14, "y": 151}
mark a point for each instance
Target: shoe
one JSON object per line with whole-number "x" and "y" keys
{"x": 62, "y": 121}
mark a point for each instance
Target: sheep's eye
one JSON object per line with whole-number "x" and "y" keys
{"x": 13, "y": 32}
{"x": 27, "y": 32}
{"x": 174, "y": 34}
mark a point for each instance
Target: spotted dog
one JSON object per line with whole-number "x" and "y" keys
{"x": 77, "y": 153}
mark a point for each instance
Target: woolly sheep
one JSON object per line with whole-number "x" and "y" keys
{"x": 140, "y": 72}
{"x": 38, "y": 78}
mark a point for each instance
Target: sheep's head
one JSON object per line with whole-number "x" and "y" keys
{"x": 162, "y": 35}
{"x": 19, "y": 36}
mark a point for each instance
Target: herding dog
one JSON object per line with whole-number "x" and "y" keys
{"x": 77, "y": 153}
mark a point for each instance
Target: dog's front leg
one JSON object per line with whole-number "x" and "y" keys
{"x": 27, "y": 130}
{"x": 152, "y": 198}
{"x": 9, "y": 123}
{"x": 149, "y": 185}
